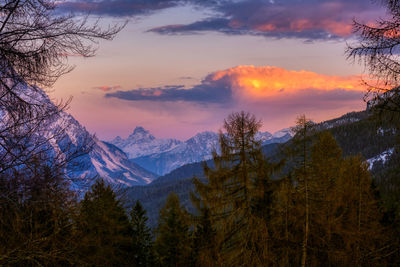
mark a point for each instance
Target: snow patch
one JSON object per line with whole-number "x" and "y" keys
{"x": 383, "y": 157}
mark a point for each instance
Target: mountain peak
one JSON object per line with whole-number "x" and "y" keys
{"x": 141, "y": 134}
{"x": 140, "y": 130}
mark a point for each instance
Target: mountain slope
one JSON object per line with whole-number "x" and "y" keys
{"x": 104, "y": 160}
{"x": 60, "y": 139}
{"x": 356, "y": 133}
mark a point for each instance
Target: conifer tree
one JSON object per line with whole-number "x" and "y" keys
{"x": 364, "y": 236}
{"x": 285, "y": 226}
{"x": 301, "y": 145}
{"x": 342, "y": 212}
{"x": 142, "y": 248}
{"x": 204, "y": 250}
{"x": 233, "y": 193}
{"x": 173, "y": 239}
{"x": 104, "y": 228}
{"x": 36, "y": 209}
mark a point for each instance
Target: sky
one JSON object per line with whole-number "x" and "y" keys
{"x": 180, "y": 67}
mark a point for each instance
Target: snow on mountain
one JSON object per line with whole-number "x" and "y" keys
{"x": 383, "y": 157}
{"x": 141, "y": 143}
{"x": 263, "y": 137}
{"x": 104, "y": 160}
{"x": 161, "y": 156}
{"x": 195, "y": 149}
{"x": 62, "y": 137}
{"x": 282, "y": 133}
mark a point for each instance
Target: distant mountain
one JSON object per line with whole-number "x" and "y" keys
{"x": 195, "y": 149}
{"x": 161, "y": 156}
{"x": 356, "y": 133}
{"x": 61, "y": 137}
{"x": 141, "y": 143}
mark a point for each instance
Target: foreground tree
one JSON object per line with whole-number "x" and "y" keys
{"x": 300, "y": 152}
{"x": 142, "y": 248}
{"x": 173, "y": 238}
{"x": 103, "y": 228}
{"x": 234, "y": 194}
{"x": 339, "y": 213}
{"x": 36, "y": 211}
{"x": 378, "y": 49}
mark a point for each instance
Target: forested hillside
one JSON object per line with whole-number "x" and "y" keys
{"x": 357, "y": 133}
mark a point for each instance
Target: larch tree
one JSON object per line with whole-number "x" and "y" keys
{"x": 365, "y": 239}
{"x": 231, "y": 194}
{"x": 300, "y": 152}
{"x": 377, "y": 48}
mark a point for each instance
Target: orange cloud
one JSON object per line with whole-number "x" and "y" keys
{"x": 267, "y": 81}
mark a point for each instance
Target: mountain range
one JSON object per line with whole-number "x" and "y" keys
{"x": 356, "y": 133}
{"x": 162, "y": 156}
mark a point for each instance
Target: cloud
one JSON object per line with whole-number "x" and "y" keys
{"x": 304, "y": 19}
{"x": 308, "y": 19}
{"x": 106, "y": 88}
{"x": 260, "y": 83}
{"x": 273, "y": 94}
{"x": 124, "y": 8}
{"x": 206, "y": 92}
{"x": 257, "y": 85}
{"x": 116, "y": 8}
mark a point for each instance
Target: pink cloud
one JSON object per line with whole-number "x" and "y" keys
{"x": 106, "y": 88}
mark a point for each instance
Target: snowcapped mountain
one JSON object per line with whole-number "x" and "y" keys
{"x": 60, "y": 139}
{"x": 161, "y": 156}
{"x": 141, "y": 143}
{"x": 104, "y": 160}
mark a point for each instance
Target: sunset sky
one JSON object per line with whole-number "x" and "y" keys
{"x": 180, "y": 67}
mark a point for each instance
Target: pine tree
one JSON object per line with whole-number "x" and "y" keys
{"x": 104, "y": 228}
{"x": 173, "y": 239}
{"x": 142, "y": 248}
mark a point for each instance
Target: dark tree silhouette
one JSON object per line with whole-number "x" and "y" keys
{"x": 378, "y": 48}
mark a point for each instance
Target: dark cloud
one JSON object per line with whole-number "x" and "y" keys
{"x": 206, "y": 92}
{"x": 307, "y": 19}
{"x": 122, "y": 8}
{"x": 117, "y": 7}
